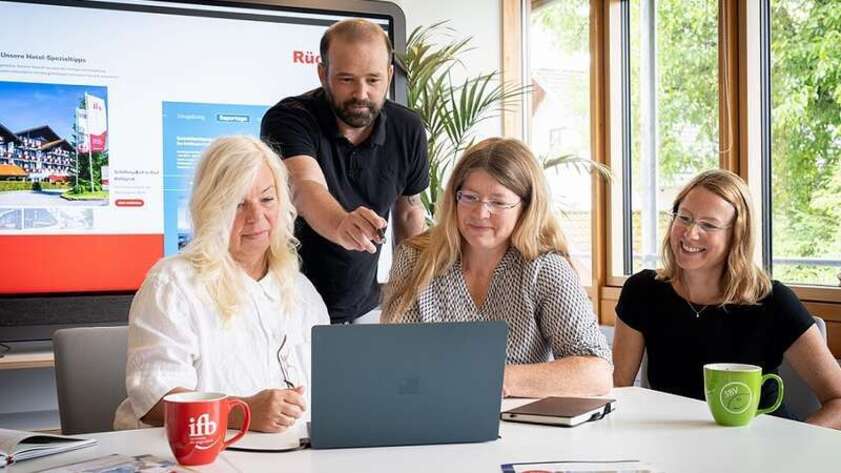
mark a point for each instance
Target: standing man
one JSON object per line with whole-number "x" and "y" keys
{"x": 352, "y": 156}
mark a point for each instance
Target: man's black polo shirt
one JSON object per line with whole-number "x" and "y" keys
{"x": 390, "y": 163}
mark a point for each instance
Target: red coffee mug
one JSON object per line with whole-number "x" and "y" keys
{"x": 196, "y": 424}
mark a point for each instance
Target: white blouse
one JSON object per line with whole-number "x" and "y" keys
{"x": 178, "y": 339}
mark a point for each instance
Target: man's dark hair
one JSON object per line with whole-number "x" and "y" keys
{"x": 353, "y": 30}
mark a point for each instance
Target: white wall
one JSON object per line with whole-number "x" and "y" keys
{"x": 477, "y": 18}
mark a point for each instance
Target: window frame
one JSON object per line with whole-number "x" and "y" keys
{"x": 740, "y": 130}
{"x": 516, "y": 118}
{"x": 806, "y": 292}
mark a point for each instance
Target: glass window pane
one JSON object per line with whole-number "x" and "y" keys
{"x": 806, "y": 140}
{"x": 559, "y": 114}
{"x": 674, "y": 110}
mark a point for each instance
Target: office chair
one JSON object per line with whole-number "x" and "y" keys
{"x": 608, "y": 331}
{"x": 642, "y": 375}
{"x": 799, "y": 398}
{"x": 90, "y": 370}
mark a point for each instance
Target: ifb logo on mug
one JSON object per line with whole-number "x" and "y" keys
{"x": 736, "y": 397}
{"x": 202, "y": 426}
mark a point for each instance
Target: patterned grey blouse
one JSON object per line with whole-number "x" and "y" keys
{"x": 547, "y": 310}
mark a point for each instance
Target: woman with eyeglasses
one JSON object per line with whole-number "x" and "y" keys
{"x": 231, "y": 313}
{"x": 711, "y": 303}
{"x": 497, "y": 253}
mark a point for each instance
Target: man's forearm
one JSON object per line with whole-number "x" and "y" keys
{"x": 320, "y": 210}
{"x": 409, "y": 218}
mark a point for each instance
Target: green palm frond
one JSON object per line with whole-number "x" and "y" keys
{"x": 474, "y": 101}
{"x": 451, "y": 111}
{"x": 577, "y": 163}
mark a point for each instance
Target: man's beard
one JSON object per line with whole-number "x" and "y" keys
{"x": 354, "y": 118}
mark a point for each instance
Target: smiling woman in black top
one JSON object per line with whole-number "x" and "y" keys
{"x": 710, "y": 303}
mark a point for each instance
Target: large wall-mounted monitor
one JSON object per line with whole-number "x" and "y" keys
{"x": 105, "y": 107}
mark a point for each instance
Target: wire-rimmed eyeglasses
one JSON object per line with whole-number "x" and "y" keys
{"x": 687, "y": 221}
{"x": 283, "y": 361}
{"x": 469, "y": 199}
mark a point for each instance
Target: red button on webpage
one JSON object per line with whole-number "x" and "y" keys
{"x": 129, "y": 202}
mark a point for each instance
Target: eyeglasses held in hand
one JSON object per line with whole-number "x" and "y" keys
{"x": 469, "y": 199}
{"x": 283, "y": 362}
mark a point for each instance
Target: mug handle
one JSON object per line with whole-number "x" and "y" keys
{"x": 779, "y": 400}
{"x": 233, "y": 403}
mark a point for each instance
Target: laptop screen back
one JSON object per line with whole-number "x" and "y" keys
{"x": 406, "y": 384}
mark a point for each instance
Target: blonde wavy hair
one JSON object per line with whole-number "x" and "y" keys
{"x": 537, "y": 230}
{"x": 742, "y": 281}
{"x": 224, "y": 176}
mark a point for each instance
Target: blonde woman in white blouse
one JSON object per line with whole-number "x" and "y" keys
{"x": 231, "y": 313}
{"x": 497, "y": 253}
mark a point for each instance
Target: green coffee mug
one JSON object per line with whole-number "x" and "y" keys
{"x": 733, "y": 391}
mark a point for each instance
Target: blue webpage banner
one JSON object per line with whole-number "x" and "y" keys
{"x": 188, "y": 128}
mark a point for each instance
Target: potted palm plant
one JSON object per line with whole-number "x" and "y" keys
{"x": 451, "y": 110}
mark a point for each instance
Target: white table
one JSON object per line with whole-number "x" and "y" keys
{"x": 671, "y": 433}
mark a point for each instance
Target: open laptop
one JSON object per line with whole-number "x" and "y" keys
{"x": 406, "y": 384}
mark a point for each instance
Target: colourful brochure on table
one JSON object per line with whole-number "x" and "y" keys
{"x": 571, "y": 466}
{"x": 116, "y": 463}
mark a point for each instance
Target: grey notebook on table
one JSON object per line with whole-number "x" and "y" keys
{"x": 406, "y": 384}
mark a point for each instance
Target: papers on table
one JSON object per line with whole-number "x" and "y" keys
{"x": 293, "y": 439}
{"x": 19, "y": 445}
{"x": 580, "y": 466}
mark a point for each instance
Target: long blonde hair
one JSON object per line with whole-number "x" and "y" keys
{"x": 224, "y": 176}
{"x": 742, "y": 281}
{"x": 537, "y": 231}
